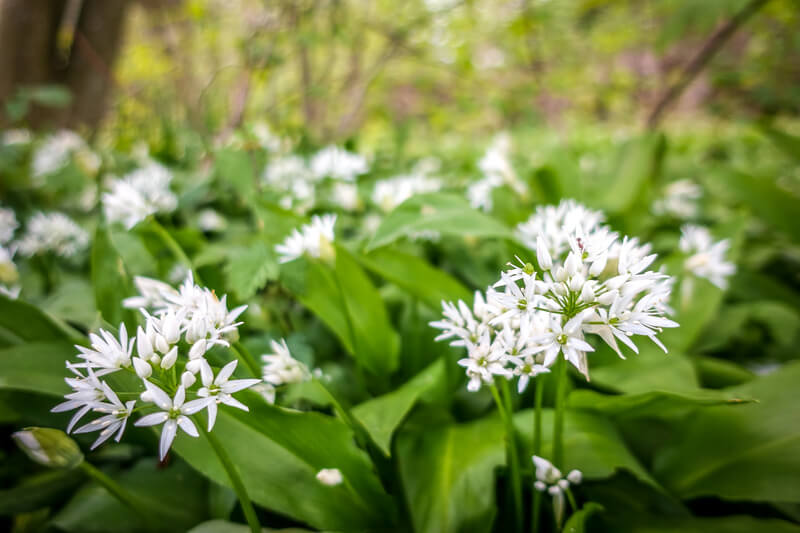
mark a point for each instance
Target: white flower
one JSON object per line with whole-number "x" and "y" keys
{"x": 679, "y": 200}
{"x": 706, "y": 257}
{"x": 87, "y": 392}
{"x": 479, "y": 194}
{"x": 8, "y": 224}
{"x": 314, "y": 239}
{"x": 53, "y": 232}
{"x": 107, "y": 354}
{"x": 9, "y": 275}
{"x": 550, "y": 479}
{"x": 139, "y": 194}
{"x": 174, "y": 413}
{"x": 152, "y": 294}
{"x": 484, "y": 361}
{"x": 345, "y": 195}
{"x": 221, "y": 388}
{"x": 566, "y": 339}
{"x": 17, "y": 136}
{"x": 390, "y": 193}
{"x": 330, "y": 477}
{"x": 211, "y": 221}
{"x": 282, "y": 171}
{"x": 55, "y": 151}
{"x": 280, "y": 368}
{"x": 463, "y": 323}
{"x": 266, "y": 137}
{"x": 114, "y": 421}
{"x": 338, "y": 163}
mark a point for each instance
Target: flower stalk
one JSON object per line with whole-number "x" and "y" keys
{"x": 512, "y": 457}
{"x": 537, "y": 449}
{"x": 115, "y": 489}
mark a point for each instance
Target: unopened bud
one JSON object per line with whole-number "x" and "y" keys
{"x": 49, "y": 447}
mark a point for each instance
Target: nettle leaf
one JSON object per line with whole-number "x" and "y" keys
{"x": 448, "y": 214}
{"x": 447, "y": 469}
{"x": 175, "y": 498}
{"x": 751, "y": 452}
{"x": 430, "y": 284}
{"x": 110, "y": 280}
{"x": 382, "y": 415}
{"x": 21, "y": 321}
{"x": 36, "y": 367}
{"x": 278, "y": 453}
{"x": 249, "y": 269}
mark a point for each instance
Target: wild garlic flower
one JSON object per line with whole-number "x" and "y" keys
{"x": 53, "y": 233}
{"x": 9, "y": 275}
{"x": 390, "y": 193}
{"x": 314, "y": 239}
{"x": 267, "y": 139}
{"x": 139, "y": 194}
{"x": 291, "y": 176}
{"x": 345, "y": 196}
{"x": 280, "y": 368}
{"x": 165, "y": 370}
{"x": 330, "y": 477}
{"x": 680, "y": 200}
{"x": 706, "y": 258}
{"x": 590, "y": 282}
{"x": 338, "y": 164}
{"x": 210, "y": 221}
{"x": 8, "y": 224}
{"x": 55, "y": 152}
{"x": 497, "y": 170}
{"x": 550, "y": 479}
{"x": 16, "y": 136}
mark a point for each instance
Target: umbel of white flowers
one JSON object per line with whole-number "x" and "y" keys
{"x": 550, "y": 479}
{"x": 280, "y": 368}
{"x": 590, "y": 282}
{"x": 314, "y": 239}
{"x": 181, "y": 326}
{"x": 139, "y": 194}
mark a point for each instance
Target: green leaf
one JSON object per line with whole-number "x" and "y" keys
{"x": 249, "y": 269}
{"x": 751, "y": 452}
{"x": 381, "y": 416}
{"x": 221, "y": 526}
{"x": 727, "y": 524}
{"x": 650, "y": 404}
{"x": 175, "y": 498}
{"x": 21, "y": 321}
{"x": 416, "y": 276}
{"x": 577, "y": 522}
{"x": 278, "y": 453}
{"x": 35, "y": 367}
{"x": 774, "y": 205}
{"x": 649, "y": 370}
{"x": 38, "y": 490}
{"x": 447, "y": 214}
{"x": 110, "y": 280}
{"x": 235, "y": 168}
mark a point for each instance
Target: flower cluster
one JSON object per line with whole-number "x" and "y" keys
{"x": 188, "y": 320}
{"x": 550, "y": 479}
{"x": 337, "y": 163}
{"x": 55, "y": 152}
{"x": 314, "y": 239}
{"x": 706, "y": 258}
{"x": 390, "y": 193}
{"x": 55, "y": 233}
{"x": 280, "y": 368}
{"x": 589, "y": 282}
{"x": 139, "y": 194}
{"x": 291, "y": 175}
{"x": 497, "y": 170}
{"x": 679, "y": 200}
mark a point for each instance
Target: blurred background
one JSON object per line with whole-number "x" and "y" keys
{"x": 392, "y": 74}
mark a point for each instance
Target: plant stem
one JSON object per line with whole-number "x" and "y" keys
{"x": 115, "y": 489}
{"x": 246, "y": 358}
{"x": 174, "y": 247}
{"x": 558, "y": 423}
{"x": 512, "y": 457}
{"x": 537, "y": 450}
{"x": 236, "y": 481}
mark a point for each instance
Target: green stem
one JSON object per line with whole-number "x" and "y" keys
{"x": 236, "y": 481}
{"x": 174, "y": 247}
{"x": 558, "y": 423}
{"x": 343, "y": 413}
{"x": 512, "y": 457}
{"x": 246, "y": 359}
{"x": 115, "y": 489}
{"x": 537, "y": 450}
{"x": 572, "y": 501}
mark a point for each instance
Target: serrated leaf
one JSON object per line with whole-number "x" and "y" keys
{"x": 249, "y": 269}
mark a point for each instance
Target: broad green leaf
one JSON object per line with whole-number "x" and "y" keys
{"x": 21, "y": 321}
{"x": 751, "y": 452}
{"x": 381, "y": 416}
{"x": 221, "y": 526}
{"x": 35, "y": 367}
{"x": 278, "y": 453}
{"x": 174, "y": 496}
{"x": 110, "y": 280}
{"x": 626, "y": 523}
{"x": 431, "y": 285}
{"x": 447, "y": 214}
{"x": 577, "y": 522}
{"x": 249, "y": 269}
{"x": 234, "y": 167}
{"x": 649, "y": 370}
{"x": 69, "y": 301}
{"x": 774, "y": 205}
{"x": 718, "y": 373}
{"x": 38, "y": 490}
{"x": 650, "y": 404}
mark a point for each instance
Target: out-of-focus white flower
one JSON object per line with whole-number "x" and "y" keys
{"x": 339, "y": 164}
{"x": 221, "y": 388}
{"x": 174, "y": 413}
{"x": 282, "y": 171}
{"x": 17, "y": 136}
{"x": 390, "y": 193}
{"x": 345, "y": 195}
{"x": 266, "y": 138}
{"x": 497, "y": 170}
{"x": 8, "y": 224}
{"x": 54, "y": 153}
{"x": 679, "y": 200}
{"x": 330, "y": 477}
{"x": 549, "y": 478}
{"x": 211, "y": 221}
{"x": 314, "y": 239}
{"x": 53, "y": 232}
{"x": 706, "y": 258}
{"x": 9, "y": 276}
{"x": 139, "y": 194}
{"x": 280, "y": 368}
{"x": 557, "y": 224}
{"x": 479, "y": 194}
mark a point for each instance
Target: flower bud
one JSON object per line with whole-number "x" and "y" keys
{"x": 187, "y": 379}
{"x": 169, "y": 359}
{"x": 161, "y": 343}
{"x": 170, "y": 328}
{"x": 198, "y": 349}
{"x": 194, "y": 365}
{"x": 142, "y": 367}
{"x": 543, "y": 254}
{"x": 146, "y": 396}
{"x": 575, "y": 477}
{"x": 572, "y": 264}
{"x": 49, "y": 447}
{"x": 599, "y": 265}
